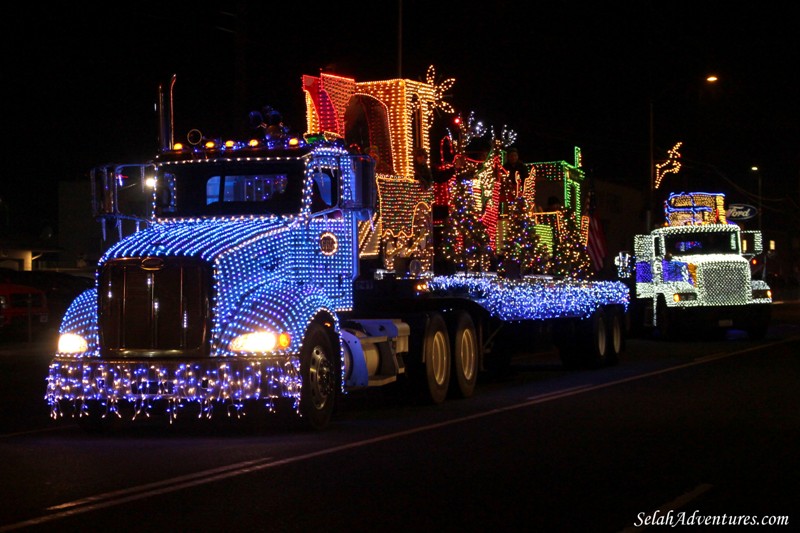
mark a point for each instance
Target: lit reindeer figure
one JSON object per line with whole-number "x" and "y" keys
{"x": 671, "y": 166}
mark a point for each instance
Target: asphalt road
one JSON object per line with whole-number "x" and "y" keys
{"x": 708, "y": 428}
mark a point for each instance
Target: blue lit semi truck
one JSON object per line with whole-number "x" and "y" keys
{"x": 257, "y": 283}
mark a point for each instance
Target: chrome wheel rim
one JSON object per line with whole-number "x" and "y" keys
{"x": 439, "y": 360}
{"x": 320, "y": 378}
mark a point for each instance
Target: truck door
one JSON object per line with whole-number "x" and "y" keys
{"x": 330, "y": 236}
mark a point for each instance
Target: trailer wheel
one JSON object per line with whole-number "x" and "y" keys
{"x": 436, "y": 358}
{"x": 319, "y": 373}
{"x": 616, "y": 336}
{"x": 596, "y": 339}
{"x": 464, "y": 352}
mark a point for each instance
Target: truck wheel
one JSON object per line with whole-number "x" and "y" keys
{"x": 320, "y": 376}
{"x": 596, "y": 339}
{"x": 616, "y": 336}
{"x": 465, "y": 355}
{"x": 436, "y": 358}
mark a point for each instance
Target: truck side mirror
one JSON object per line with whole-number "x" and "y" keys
{"x": 752, "y": 243}
{"x": 624, "y": 263}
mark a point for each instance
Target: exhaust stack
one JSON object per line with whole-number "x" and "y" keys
{"x": 165, "y": 116}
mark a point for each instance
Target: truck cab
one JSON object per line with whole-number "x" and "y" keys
{"x": 248, "y": 246}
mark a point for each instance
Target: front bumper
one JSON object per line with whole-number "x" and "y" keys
{"x": 140, "y": 385}
{"x": 729, "y": 316}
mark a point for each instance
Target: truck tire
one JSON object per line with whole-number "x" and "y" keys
{"x": 436, "y": 359}
{"x": 320, "y": 375}
{"x": 583, "y": 342}
{"x": 595, "y": 338}
{"x": 464, "y": 351}
{"x": 616, "y": 335}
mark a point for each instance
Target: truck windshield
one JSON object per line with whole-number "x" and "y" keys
{"x": 717, "y": 242}
{"x": 236, "y": 189}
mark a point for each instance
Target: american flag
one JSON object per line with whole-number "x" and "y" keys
{"x": 596, "y": 247}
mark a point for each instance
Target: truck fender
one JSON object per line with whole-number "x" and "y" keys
{"x": 355, "y": 361}
{"x": 278, "y": 306}
{"x": 80, "y": 318}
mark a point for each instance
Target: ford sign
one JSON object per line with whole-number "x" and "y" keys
{"x": 741, "y": 212}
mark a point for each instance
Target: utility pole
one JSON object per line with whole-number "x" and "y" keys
{"x": 760, "y": 226}
{"x": 651, "y": 196}
{"x": 760, "y": 204}
{"x": 399, "y": 39}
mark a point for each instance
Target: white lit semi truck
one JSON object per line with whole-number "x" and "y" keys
{"x": 694, "y": 274}
{"x": 264, "y": 278}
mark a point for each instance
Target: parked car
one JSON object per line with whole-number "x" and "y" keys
{"x": 23, "y": 309}
{"x": 60, "y": 288}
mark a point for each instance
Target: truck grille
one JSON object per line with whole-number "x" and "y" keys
{"x": 154, "y": 307}
{"x": 725, "y": 283}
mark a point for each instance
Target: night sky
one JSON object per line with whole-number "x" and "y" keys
{"x": 81, "y": 83}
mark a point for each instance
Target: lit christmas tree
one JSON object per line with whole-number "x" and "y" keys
{"x": 570, "y": 258}
{"x": 466, "y": 242}
{"x": 522, "y": 250}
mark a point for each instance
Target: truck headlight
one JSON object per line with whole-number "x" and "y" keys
{"x": 72, "y": 343}
{"x": 259, "y": 342}
{"x": 683, "y": 297}
{"x": 762, "y": 293}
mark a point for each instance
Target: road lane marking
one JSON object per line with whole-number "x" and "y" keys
{"x": 557, "y": 394}
{"x": 184, "y": 480}
{"x": 122, "y": 496}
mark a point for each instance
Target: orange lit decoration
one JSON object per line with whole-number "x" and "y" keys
{"x": 439, "y": 90}
{"x": 397, "y": 115}
{"x": 389, "y": 119}
{"x": 695, "y": 208}
{"x": 671, "y": 166}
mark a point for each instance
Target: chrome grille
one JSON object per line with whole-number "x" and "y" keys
{"x": 154, "y": 307}
{"x": 724, "y": 283}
